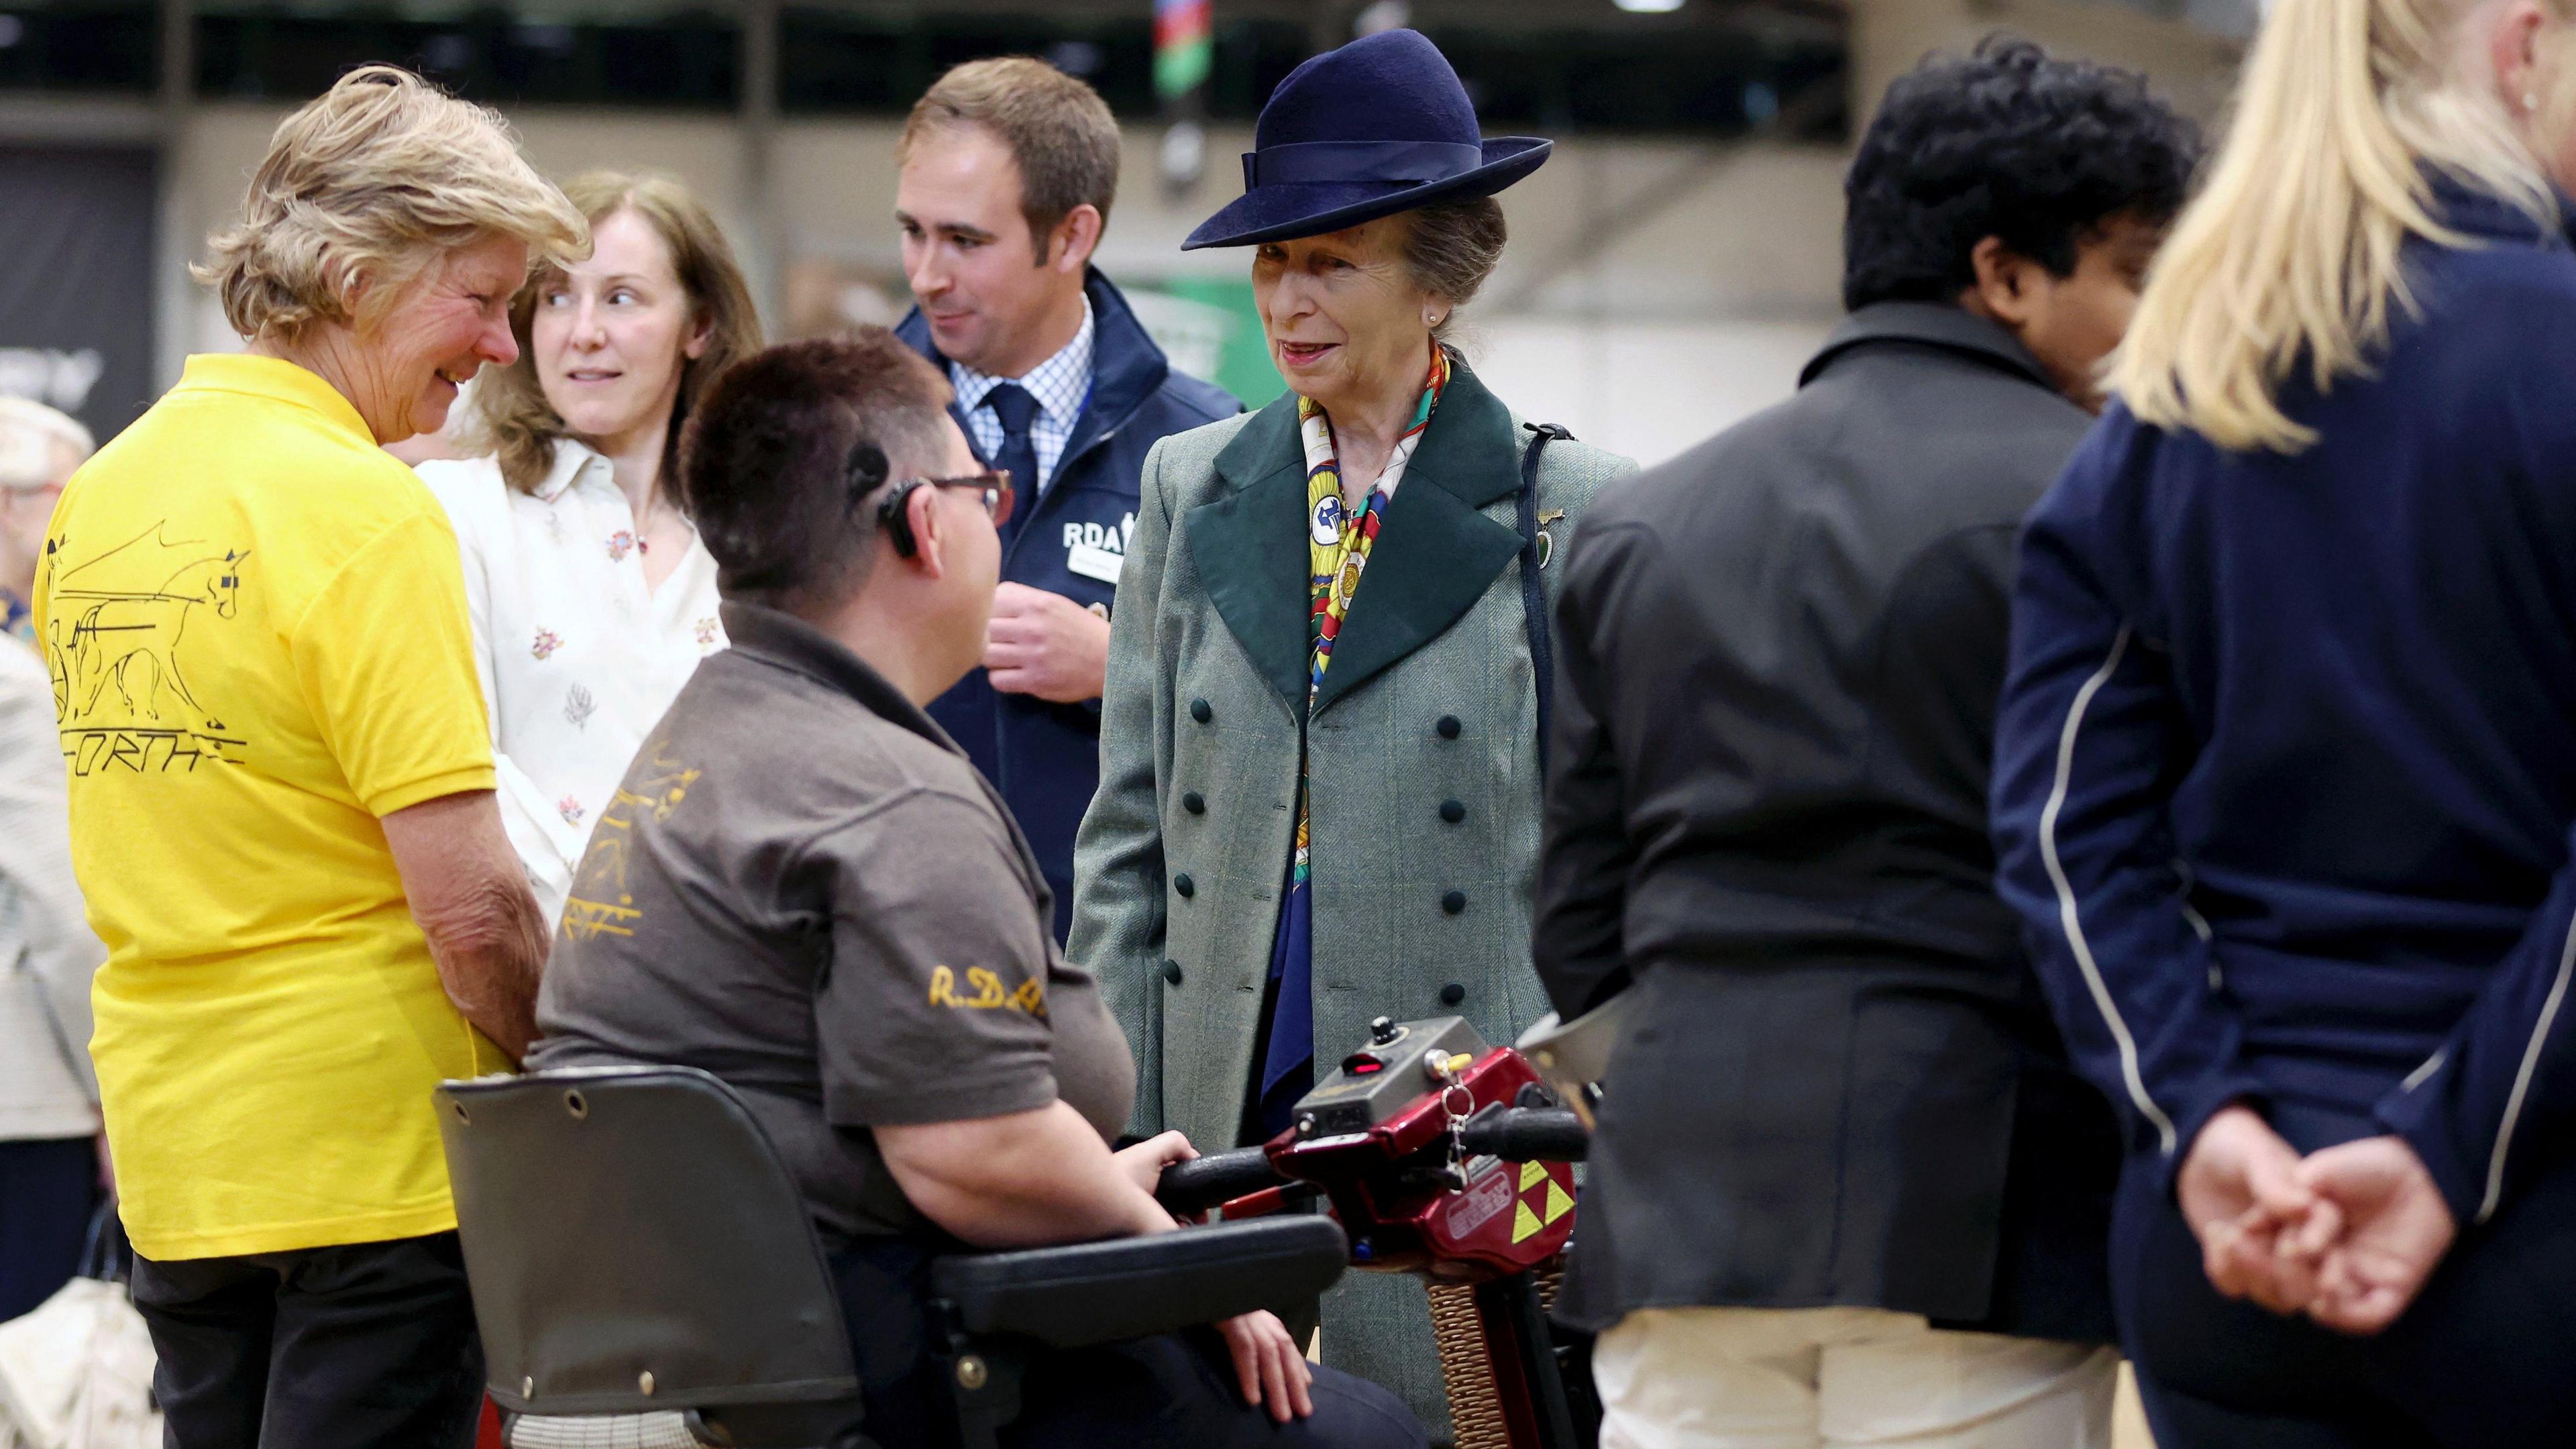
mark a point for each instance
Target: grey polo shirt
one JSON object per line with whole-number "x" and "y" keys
{"x": 804, "y": 888}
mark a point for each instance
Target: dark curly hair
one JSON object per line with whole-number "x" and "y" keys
{"x": 2007, "y": 142}
{"x": 766, "y": 461}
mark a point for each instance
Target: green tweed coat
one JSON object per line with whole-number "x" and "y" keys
{"x": 1423, "y": 763}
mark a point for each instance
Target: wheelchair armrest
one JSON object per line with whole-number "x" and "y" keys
{"x": 1134, "y": 1287}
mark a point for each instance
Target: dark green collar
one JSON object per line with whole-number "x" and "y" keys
{"x": 1434, "y": 557}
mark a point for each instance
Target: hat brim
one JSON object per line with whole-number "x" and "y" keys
{"x": 1283, "y": 213}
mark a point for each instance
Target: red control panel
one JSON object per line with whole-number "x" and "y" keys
{"x": 1406, "y": 1205}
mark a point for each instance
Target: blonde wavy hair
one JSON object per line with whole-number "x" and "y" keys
{"x": 365, "y": 188}
{"x": 2293, "y": 254}
{"x": 511, "y": 415}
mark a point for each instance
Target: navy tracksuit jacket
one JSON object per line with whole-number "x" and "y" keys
{"x": 1044, "y": 757}
{"x": 2285, "y": 774}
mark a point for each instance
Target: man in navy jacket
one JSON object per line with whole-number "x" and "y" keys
{"x": 1009, "y": 169}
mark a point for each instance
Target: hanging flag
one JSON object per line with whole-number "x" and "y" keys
{"x": 1184, "y": 46}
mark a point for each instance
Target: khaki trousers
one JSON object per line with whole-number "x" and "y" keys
{"x": 1759, "y": 1378}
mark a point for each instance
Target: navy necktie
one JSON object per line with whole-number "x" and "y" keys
{"x": 1016, "y": 410}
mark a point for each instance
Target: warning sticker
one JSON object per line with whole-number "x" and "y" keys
{"x": 1539, "y": 1210}
{"x": 1484, "y": 1197}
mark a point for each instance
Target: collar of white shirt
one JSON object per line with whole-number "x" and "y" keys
{"x": 571, "y": 456}
{"x": 1061, "y": 384}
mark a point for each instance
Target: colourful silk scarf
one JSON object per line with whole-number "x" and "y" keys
{"x": 1338, "y": 542}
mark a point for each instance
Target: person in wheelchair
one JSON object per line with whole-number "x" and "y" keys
{"x": 804, "y": 888}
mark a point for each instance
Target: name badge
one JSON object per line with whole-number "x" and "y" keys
{"x": 1094, "y": 563}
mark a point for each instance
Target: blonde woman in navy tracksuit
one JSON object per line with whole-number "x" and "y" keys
{"x": 2287, "y": 758}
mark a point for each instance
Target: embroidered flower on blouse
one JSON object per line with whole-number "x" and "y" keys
{"x": 579, "y": 707}
{"x": 706, "y": 633}
{"x": 547, "y": 642}
{"x": 570, "y": 809}
{"x": 620, "y": 544}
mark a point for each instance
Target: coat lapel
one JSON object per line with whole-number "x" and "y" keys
{"x": 1250, "y": 546}
{"x": 1435, "y": 554}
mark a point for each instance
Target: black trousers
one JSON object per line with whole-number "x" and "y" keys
{"x": 2482, "y": 1360}
{"x": 363, "y": 1344}
{"x": 48, "y": 1190}
{"x": 1174, "y": 1391}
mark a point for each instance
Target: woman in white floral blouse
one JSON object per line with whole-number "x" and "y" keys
{"x": 592, "y": 598}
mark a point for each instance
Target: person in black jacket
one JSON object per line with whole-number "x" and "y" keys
{"x": 1009, "y": 167}
{"x": 1844, "y": 1188}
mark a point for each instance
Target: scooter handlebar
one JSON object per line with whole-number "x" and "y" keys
{"x": 1527, "y": 1134}
{"x": 1192, "y": 1187}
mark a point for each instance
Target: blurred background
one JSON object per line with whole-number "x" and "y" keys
{"x": 1668, "y": 272}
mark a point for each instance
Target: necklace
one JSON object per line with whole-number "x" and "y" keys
{"x": 644, "y": 523}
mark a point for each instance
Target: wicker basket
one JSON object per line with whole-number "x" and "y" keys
{"x": 1475, "y": 1404}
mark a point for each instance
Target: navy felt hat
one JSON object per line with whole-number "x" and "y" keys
{"x": 1377, "y": 127}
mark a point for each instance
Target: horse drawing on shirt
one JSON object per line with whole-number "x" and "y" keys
{"x": 127, "y": 610}
{"x": 601, "y": 904}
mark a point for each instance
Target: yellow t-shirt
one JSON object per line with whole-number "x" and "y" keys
{"x": 256, "y": 629}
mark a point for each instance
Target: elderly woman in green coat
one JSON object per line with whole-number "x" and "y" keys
{"x": 1321, "y": 736}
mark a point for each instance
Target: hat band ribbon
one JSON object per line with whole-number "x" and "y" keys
{"x": 1312, "y": 162}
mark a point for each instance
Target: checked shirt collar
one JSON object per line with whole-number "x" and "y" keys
{"x": 1061, "y": 385}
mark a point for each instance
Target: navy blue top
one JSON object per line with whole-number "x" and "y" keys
{"x": 1045, "y": 757}
{"x": 2286, "y": 761}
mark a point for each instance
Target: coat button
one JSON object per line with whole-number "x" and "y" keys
{"x": 1199, "y": 711}
{"x": 1454, "y": 902}
{"x": 1186, "y": 886}
{"x": 1453, "y": 811}
{"x": 1194, "y": 802}
{"x": 1172, "y": 972}
{"x": 1452, "y": 994}
{"x": 1448, "y": 727}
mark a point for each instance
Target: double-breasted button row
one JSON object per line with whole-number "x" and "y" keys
{"x": 1196, "y": 804}
{"x": 1451, "y": 811}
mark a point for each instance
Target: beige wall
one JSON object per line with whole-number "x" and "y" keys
{"x": 1654, "y": 291}
{"x": 2193, "y": 66}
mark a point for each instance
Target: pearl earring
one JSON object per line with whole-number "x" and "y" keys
{"x": 2531, "y": 100}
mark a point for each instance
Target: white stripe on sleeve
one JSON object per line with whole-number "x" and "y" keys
{"x": 2069, "y": 918}
{"x": 2522, "y": 1078}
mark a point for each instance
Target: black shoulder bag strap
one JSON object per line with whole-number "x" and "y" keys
{"x": 1536, "y": 547}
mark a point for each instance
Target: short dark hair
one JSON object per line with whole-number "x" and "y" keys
{"x": 2007, "y": 142}
{"x": 765, "y": 461}
{"x": 1058, "y": 130}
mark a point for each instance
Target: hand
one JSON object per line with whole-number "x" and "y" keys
{"x": 2397, "y": 1228}
{"x": 2263, "y": 1230}
{"x": 1046, "y": 645}
{"x": 1144, "y": 1163}
{"x": 1268, "y": 1362}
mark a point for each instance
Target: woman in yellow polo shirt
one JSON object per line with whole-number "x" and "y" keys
{"x": 281, "y": 785}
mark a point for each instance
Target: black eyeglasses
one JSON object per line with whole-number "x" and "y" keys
{"x": 995, "y": 487}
